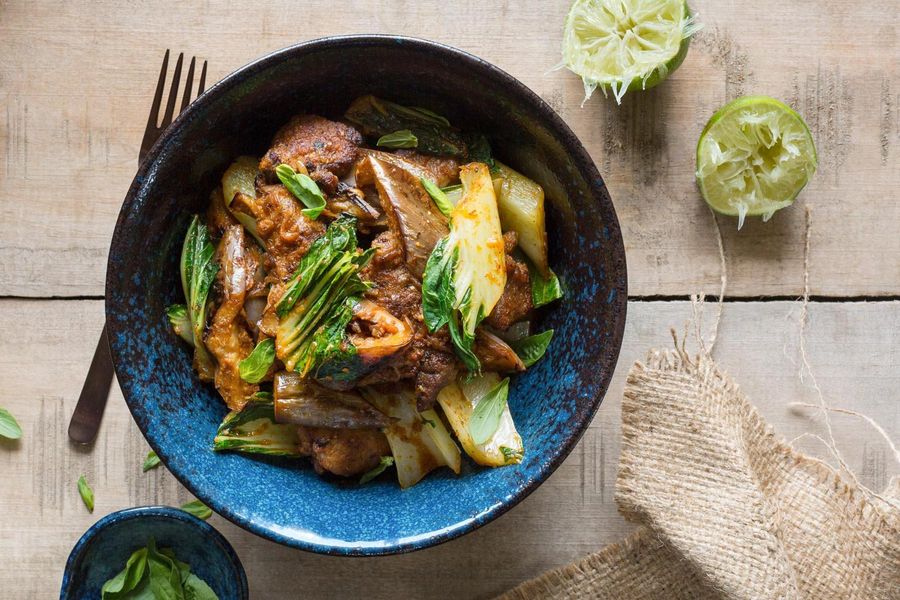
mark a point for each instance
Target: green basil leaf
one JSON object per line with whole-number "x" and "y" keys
{"x": 544, "y": 290}
{"x": 9, "y": 427}
{"x": 530, "y": 349}
{"x": 485, "y": 418}
{"x": 437, "y": 286}
{"x": 87, "y": 494}
{"x": 198, "y": 509}
{"x": 437, "y": 194}
{"x": 197, "y": 589}
{"x": 403, "y": 138}
{"x": 151, "y": 462}
{"x": 165, "y": 576}
{"x": 304, "y": 189}
{"x": 386, "y": 461}
{"x": 129, "y": 579}
{"x": 257, "y": 364}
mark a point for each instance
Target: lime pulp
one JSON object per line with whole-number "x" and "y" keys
{"x": 753, "y": 158}
{"x": 622, "y": 45}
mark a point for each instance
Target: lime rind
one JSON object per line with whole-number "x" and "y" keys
{"x": 754, "y": 157}
{"x": 622, "y": 45}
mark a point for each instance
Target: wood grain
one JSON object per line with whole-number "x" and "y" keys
{"x": 853, "y": 350}
{"x": 78, "y": 77}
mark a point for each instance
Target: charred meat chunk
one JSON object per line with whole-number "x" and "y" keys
{"x": 326, "y": 149}
{"x": 515, "y": 303}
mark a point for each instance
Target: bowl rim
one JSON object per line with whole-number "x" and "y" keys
{"x": 581, "y": 157}
{"x": 144, "y": 512}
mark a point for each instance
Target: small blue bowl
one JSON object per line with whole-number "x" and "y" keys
{"x": 104, "y": 549}
{"x": 552, "y": 403}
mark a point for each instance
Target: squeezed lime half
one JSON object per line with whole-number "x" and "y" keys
{"x": 621, "y": 45}
{"x": 753, "y": 158}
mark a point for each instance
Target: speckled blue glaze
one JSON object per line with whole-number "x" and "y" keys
{"x": 104, "y": 548}
{"x": 552, "y": 403}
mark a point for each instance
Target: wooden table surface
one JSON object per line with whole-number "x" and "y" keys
{"x": 76, "y": 82}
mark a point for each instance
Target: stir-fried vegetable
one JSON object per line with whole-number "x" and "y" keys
{"x": 530, "y": 349}
{"x": 440, "y": 198}
{"x": 460, "y": 401}
{"x": 303, "y": 188}
{"x": 339, "y": 239}
{"x": 181, "y": 322}
{"x": 240, "y": 178}
{"x": 544, "y": 290}
{"x": 417, "y": 447}
{"x": 254, "y": 368}
{"x": 520, "y": 202}
{"x": 466, "y": 272}
{"x": 318, "y": 303}
{"x": 198, "y": 270}
{"x": 304, "y": 402}
{"x": 253, "y": 430}
{"x": 383, "y": 464}
{"x": 399, "y": 139}
{"x": 378, "y": 336}
{"x": 433, "y": 133}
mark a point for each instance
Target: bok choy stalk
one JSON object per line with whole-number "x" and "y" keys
{"x": 318, "y": 303}
{"x": 181, "y": 322}
{"x": 253, "y": 430}
{"x": 419, "y": 443}
{"x": 466, "y": 272}
{"x": 460, "y": 402}
{"x": 198, "y": 270}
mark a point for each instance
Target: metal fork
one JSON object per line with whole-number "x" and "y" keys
{"x": 91, "y": 403}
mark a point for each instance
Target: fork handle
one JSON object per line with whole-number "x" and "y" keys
{"x": 89, "y": 411}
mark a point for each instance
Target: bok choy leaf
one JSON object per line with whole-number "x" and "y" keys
{"x": 466, "y": 272}
{"x": 198, "y": 270}
{"x": 318, "y": 303}
{"x": 253, "y": 430}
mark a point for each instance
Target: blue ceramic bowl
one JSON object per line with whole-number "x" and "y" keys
{"x": 104, "y": 548}
{"x": 552, "y": 403}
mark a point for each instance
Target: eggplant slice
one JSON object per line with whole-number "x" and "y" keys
{"x": 411, "y": 214}
{"x": 303, "y": 402}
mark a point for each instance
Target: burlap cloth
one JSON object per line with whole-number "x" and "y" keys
{"x": 727, "y": 509}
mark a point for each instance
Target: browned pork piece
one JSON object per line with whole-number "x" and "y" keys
{"x": 229, "y": 339}
{"x": 303, "y": 402}
{"x": 326, "y": 149}
{"x": 515, "y": 303}
{"x": 344, "y": 452}
{"x": 411, "y": 214}
{"x": 428, "y": 359}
